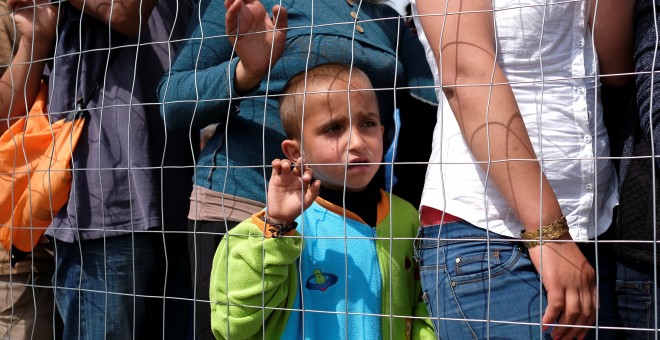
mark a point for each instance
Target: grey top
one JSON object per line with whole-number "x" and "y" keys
{"x": 128, "y": 173}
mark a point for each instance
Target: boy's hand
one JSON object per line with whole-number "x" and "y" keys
{"x": 36, "y": 21}
{"x": 570, "y": 282}
{"x": 258, "y": 35}
{"x": 290, "y": 192}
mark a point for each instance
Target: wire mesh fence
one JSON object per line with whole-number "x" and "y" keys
{"x": 185, "y": 169}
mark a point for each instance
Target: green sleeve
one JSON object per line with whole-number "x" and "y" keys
{"x": 249, "y": 272}
{"x": 422, "y": 327}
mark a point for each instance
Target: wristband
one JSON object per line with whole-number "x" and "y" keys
{"x": 279, "y": 229}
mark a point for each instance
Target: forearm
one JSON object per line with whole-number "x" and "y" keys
{"x": 197, "y": 98}
{"x": 250, "y": 272}
{"x": 496, "y": 135}
{"x": 488, "y": 115}
{"x": 124, "y": 16}
{"x": 20, "y": 83}
{"x": 612, "y": 29}
{"x": 196, "y": 90}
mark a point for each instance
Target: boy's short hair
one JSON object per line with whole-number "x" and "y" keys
{"x": 290, "y": 104}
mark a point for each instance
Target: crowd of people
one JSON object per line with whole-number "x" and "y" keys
{"x": 484, "y": 170}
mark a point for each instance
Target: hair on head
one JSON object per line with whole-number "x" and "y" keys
{"x": 290, "y": 104}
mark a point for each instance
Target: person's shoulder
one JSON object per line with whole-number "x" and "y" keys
{"x": 404, "y": 216}
{"x": 401, "y": 204}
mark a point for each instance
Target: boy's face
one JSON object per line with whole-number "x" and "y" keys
{"x": 337, "y": 139}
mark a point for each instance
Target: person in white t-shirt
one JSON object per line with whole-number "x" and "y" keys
{"x": 520, "y": 151}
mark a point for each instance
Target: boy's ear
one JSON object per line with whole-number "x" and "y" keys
{"x": 291, "y": 149}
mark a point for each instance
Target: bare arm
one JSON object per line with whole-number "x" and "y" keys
{"x": 465, "y": 53}
{"x": 124, "y": 16}
{"x": 612, "y": 29}
{"x": 20, "y": 83}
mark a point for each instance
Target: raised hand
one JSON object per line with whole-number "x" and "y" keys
{"x": 290, "y": 191}
{"x": 254, "y": 35}
{"x": 36, "y": 21}
{"x": 570, "y": 282}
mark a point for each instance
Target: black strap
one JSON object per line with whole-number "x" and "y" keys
{"x": 81, "y": 103}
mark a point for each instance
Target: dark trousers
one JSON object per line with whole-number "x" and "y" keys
{"x": 122, "y": 287}
{"x": 204, "y": 238}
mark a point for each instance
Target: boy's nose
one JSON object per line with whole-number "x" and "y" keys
{"x": 357, "y": 142}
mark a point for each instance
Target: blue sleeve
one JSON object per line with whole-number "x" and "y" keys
{"x": 198, "y": 88}
{"x": 645, "y": 50}
{"x": 418, "y": 73}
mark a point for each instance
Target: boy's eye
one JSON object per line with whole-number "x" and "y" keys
{"x": 369, "y": 123}
{"x": 332, "y": 129}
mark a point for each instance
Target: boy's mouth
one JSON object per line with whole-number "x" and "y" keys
{"x": 358, "y": 163}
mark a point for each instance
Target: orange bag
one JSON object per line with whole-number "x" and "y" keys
{"x": 35, "y": 173}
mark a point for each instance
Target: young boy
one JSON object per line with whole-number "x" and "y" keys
{"x": 306, "y": 267}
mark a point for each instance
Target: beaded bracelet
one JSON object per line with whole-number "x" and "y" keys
{"x": 280, "y": 229}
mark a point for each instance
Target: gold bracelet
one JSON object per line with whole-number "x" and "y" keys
{"x": 553, "y": 231}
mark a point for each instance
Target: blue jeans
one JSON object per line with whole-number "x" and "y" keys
{"x": 478, "y": 290}
{"x": 101, "y": 286}
{"x": 456, "y": 281}
{"x": 636, "y": 295}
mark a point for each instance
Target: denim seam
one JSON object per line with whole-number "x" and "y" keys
{"x": 460, "y": 310}
{"x": 491, "y": 260}
{"x": 427, "y": 243}
{"x": 494, "y": 272}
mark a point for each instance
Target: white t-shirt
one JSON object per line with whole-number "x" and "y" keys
{"x": 547, "y": 54}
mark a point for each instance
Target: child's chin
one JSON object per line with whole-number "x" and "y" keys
{"x": 356, "y": 187}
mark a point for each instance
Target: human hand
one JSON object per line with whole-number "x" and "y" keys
{"x": 258, "y": 35}
{"x": 36, "y": 21}
{"x": 570, "y": 282}
{"x": 289, "y": 191}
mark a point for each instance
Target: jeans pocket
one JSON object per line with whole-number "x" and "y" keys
{"x": 478, "y": 263}
{"x": 475, "y": 260}
{"x": 498, "y": 291}
{"x": 635, "y": 303}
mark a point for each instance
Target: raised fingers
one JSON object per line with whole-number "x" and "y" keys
{"x": 231, "y": 17}
{"x": 280, "y": 17}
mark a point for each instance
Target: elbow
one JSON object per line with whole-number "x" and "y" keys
{"x": 616, "y": 81}
{"x": 171, "y": 118}
{"x": 167, "y": 107}
{"x": 454, "y": 75}
{"x": 161, "y": 93}
{"x": 128, "y": 18}
{"x": 449, "y": 79}
{"x": 131, "y": 25}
